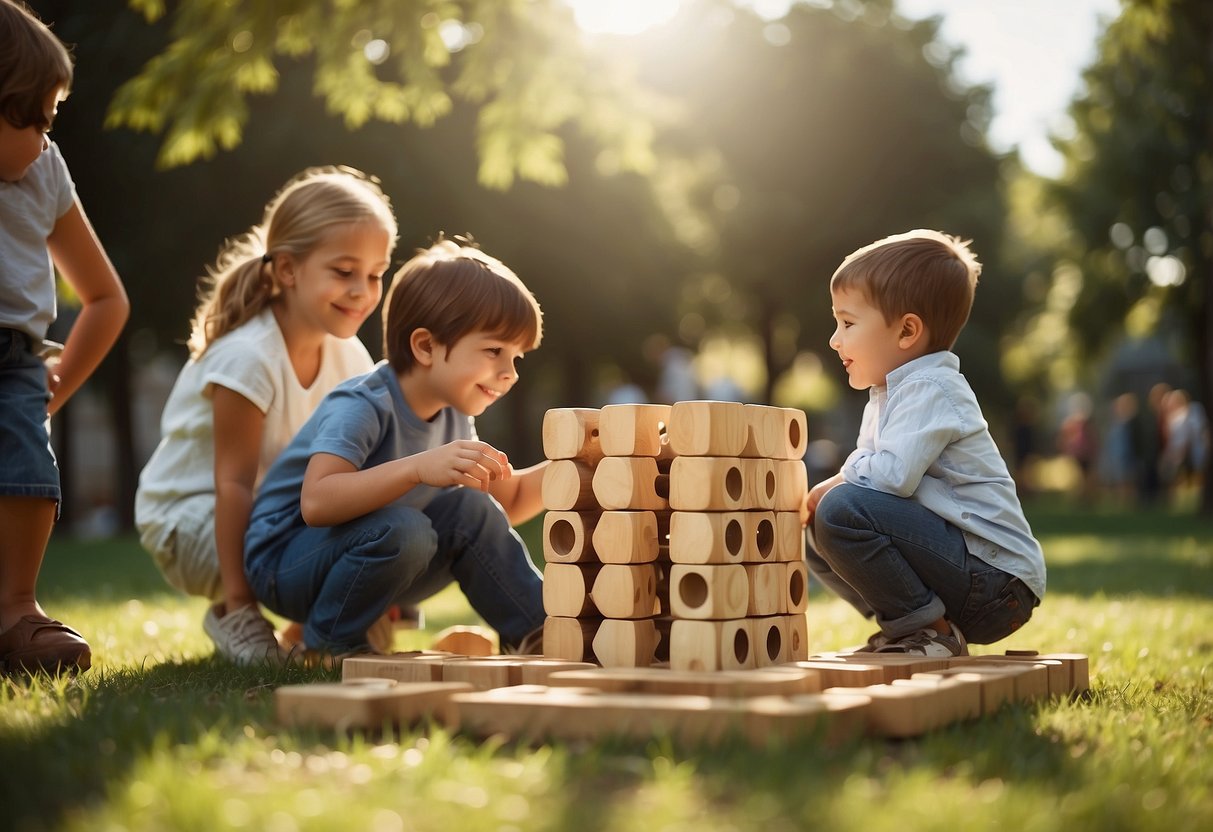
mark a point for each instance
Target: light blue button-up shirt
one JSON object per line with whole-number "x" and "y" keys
{"x": 923, "y": 437}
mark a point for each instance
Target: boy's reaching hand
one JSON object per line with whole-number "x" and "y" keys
{"x": 462, "y": 462}
{"x": 809, "y": 507}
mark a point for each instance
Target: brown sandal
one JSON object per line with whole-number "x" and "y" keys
{"x": 39, "y": 643}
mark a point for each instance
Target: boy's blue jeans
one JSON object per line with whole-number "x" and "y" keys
{"x": 902, "y": 564}
{"x": 338, "y": 580}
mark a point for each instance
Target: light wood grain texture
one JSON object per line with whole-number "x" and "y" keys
{"x": 767, "y": 588}
{"x": 632, "y": 536}
{"x": 711, "y": 645}
{"x": 708, "y": 428}
{"x": 566, "y": 589}
{"x": 620, "y": 643}
{"x": 570, "y": 639}
{"x": 709, "y": 537}
{"x": 626, "y": 591}
{"x": 365, "y": 706}
{"x": 572, "y": 433}
{"x": 415, "y": 666}
{"x": 797, "y": 630}
{"x": 775, "y": 432}
{"x": 635, "y": 430}
{"x": 708, "y": 591}
{"x": 568, "y": 536}
{"x": 789, "y": 536}
{"x": 777, "y": 681}
{"x": 769, "y": 635}
{"x": 791, "y": 484}
{"x": 626, "y": 482}
{"x": 795, "y": 586}
{"x": 568, "y": 485}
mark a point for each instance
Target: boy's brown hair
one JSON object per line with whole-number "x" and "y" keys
{"x": 930, "y": 274}
{"x": 454, "y": 290}
{"x": 32, "y": 63}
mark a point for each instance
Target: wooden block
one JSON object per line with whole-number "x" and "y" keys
{"x": 789, "y": 537}
{"x": 708, "y": 428}
{"x": 791, "y": 484}
{"x": 769, "y": 635}
{"x": 632, "y": 536}
{"x": 568, "y": 536}
{"x": 367, "y": 706}
{"x": 620, "y": 643}
{"x": 899, "y": 710}
{"x": 1075, "y": 678}
{"x": 626, "y": 591}
{"x": 665, "y": 623}
{"x": 768, "y": 593}
{"x": 797, "y": 629}
{"x": 570, "y": 639}
{"x": 1059, "y": 673}
{"x": 711, "y": 645}
{"x": 893, "y": 665}
{"x": 832, "y": 718}
{"x": 836, "y": 674}
{"x": 572, "y": 433}
{"x": 995, "y": 688}
{"x": 416, "y": 666}
{"x": 635, "y": 430}
{"x": 631, "y": 482}
{"x": 467, "y": 640}
{"x": 538, "y": 671}
{"x": 566, "y": 589}
{"x": 568, "y": 485}
{"x": 708, "y": 591}
{"x": 779, "y": 681}
{"x": 795, "y": 586}
{"x": 1030, "y": 682}
{"x": 761, "y": 537}
{"x": 484, "y": 674}
{"x": 708, "y": 484}
{"x": 708, "y": 537}
{"x": 958, "y": 699}
{"x": 775, "y": 432}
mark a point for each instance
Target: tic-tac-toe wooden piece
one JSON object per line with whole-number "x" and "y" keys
{"x": 995, "y": 689}
{"x": 568, "y": 485}
{"x": 631, "y": 482}
{"x": 767, "y": 588}
{"x": 1058, "y": 674}
{"x": 835, "y": 674}
{"x": 1073, "y": 677}
{"x": 791, "y": 484}
{"x": 775, "y": 432}
{"x": 570, "y": 639}
{"x": 368, "y": 706}
{"x": 899, "y": 710}
{"x": 572, "y": 433}
{"x": 708, "y": 428}
{"x": 635, "y": 430}
{"x": 416, "y": 666}
{"x": 893, "y": 665}
{"x": 621, "y": 643}
{"x": 761, "y": 537}
{"x": 795, "y": 587}
{"x": 484, "y": 674}
{"x": 769, "y": 635}
{"x": 632, "y": 536}
{"x": 708, "y": 591}
{"x": 568, "y": 536}
{"x": 711, "y": 645}
{"x": 1030, "y": 682}
{"x": 708, "y": 537}
{"x": 626, "y": 590}
{"x": 709, "y": 484}
{"x": 566, "y": 589}
{"x": 538, "y": 671}
{"x": 782, "y": 681}
{"x": 832, "y": 718}
{"x": 797, "y": 629}
{"x": 958, "y": 699}
{"x": 789, "y": 536}
{"x": 467, "y": 640}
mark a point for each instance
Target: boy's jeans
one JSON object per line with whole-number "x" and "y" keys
{"x": 338, "y": 580}
{"x": 894, "y": 560}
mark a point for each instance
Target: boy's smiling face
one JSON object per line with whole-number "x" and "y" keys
{"x": 870, "y": 347}
{"x": 20, "y": 147}
{"x": 471, "y": 375}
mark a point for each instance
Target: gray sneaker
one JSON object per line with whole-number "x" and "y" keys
{"x": 928, "y": 642}
{"x": 243, "y": 636}
{"x": 875, "y": 641}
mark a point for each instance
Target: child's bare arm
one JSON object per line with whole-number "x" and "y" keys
{"x": 335, "y": 491}
{"x": 84, "y": 265}
{"x": 238, "y": 426}
{"x": 521, "y": 495}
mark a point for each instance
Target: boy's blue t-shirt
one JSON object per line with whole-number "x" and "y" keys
{"x": 365, "y": 421}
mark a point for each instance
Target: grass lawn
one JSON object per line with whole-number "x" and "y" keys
{"x": 160, "y": 736}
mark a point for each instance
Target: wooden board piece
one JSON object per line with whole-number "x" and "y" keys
{"x": 417, "y": 666}
{"x": 366, "y": 706}
{"x": 772, "y": 681}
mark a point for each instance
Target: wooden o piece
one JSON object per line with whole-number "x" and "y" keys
{"x": 568, "y": 485}
{"x": 796, "y": 628}
{"x": 620, "y": 643}
{"x": 570, "y": 639}
{"x": 789, "y": 537}
{"x": 568, "y": 536}
{"x": 572, "y": 433}
{"x": 708, "y": 591}
{"x": 775, "y": 432}
{"x": 566, "y": 590}
{"x": 767, "y": 591}
{"x": 795, "y": 587}
{"x": 709, "y": 537}
{"x": 770, "y": 638}
{"x": 761, "y": 483}
{"x": 791, "y": 484}
{"x": 708, "y": 484}
{"x": 711, "y": 645}
{"x": 626, "y": 590}
{"x": 708, "y": 428}
{"x": 631, "y": 483}
{"x": 761, "y": 537}
{"x": 635, "y": 430}
{"x": 630, "y": 536}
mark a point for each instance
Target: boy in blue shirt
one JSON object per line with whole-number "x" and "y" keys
{"x": 386, "y": 494}
{"x": 922, "y": 528}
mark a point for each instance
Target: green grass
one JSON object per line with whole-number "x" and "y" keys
{"x": 158, "y": 735}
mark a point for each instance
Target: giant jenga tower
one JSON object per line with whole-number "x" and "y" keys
{"x": 673, "y": 534}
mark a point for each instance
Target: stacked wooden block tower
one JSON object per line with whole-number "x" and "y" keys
{"x": 673, "y": 534}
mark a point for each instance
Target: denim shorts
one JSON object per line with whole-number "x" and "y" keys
{"x": 27, "y": 462}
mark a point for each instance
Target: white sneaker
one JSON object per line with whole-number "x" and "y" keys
{"x": 928, "y": 642}
{"x": 243, "y": 636}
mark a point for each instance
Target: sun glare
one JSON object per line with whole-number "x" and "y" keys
{"x": 622, "y": 17}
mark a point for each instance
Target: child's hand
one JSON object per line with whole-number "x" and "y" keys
{"x": 809, "y": 507}
{"x": 463, "y": 462}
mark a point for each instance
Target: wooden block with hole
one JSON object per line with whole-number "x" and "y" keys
{"x": 568, "y": 536}
{"x": 568, "y": 485}
{"x": 994, "y": 689}
{"x": 795, "y": 587}
{"x": 572, "y": 433}
{"x": 415, "y": 666}
{"x": 718, "y": 683}
{"x": 797, "y": 628}
{"x": 711, "y": 645}
{"x": 632, "y": 536}
{"x": 566, "y": 589}
{"x": 835, "y": 674}
{"x": 708, "y": 428}
{"x": 791, "y": 484}
{"x": 631, "y": 482}
{"x": 620, "y": 643}
{"x": 721, "y": 484}
{"x": 570, "y": 639}
{"x": 709, "y": 537}
{"x": 789, "y": 537}
{"x": 767, "y": 590}
{"x": 708, "y": 591}
{"x": 635, "y": 430}
{"x": 775, "y": 432}
{"x": 626, "y": 590}
{"x": 769, "y": 636}
{"x": 380, "y": 703}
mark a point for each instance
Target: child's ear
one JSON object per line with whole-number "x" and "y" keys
{"x": 284, "y": 269}
{"x": 913, "y": 332}
{"x": 421, "y": 342}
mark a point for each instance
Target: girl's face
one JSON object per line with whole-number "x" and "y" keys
{"x": 469, "y": 376}
{"x": 869, "y": 346}
{"x": 337, "y": 286}
{"x": 21, "y": 147}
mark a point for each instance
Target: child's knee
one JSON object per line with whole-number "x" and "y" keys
{"x": 403, "y": 532}
{"x": 476, "y": 510}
